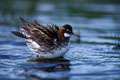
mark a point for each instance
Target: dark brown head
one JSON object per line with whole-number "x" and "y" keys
{"x": 66, "y": 31}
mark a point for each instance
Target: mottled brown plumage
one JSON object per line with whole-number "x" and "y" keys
{"x": 38, "y": 32}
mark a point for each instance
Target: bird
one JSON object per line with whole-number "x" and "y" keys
{"x": 48, "y": 41}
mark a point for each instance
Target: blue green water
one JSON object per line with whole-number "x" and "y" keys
{"x": 90, "y": 57}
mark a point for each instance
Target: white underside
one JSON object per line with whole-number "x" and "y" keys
{"x": 52, "y": 54}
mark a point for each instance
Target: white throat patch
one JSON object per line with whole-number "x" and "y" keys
{"x": 67, "y": 35}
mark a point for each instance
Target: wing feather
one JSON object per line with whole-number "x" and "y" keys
{"x": 39, "y": 33}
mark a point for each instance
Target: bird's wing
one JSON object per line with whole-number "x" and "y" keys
{"x": 40, "y": 34}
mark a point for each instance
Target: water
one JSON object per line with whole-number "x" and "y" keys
{"x": 90, "y": 57}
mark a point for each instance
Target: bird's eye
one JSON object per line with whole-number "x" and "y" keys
{"x": 67, "y": 30}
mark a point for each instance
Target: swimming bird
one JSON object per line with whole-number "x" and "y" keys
{"x": 46, "y": 41}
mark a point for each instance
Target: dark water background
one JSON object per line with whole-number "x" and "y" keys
{"x": 90, "y": 57}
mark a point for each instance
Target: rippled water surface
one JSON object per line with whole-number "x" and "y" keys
{"x": 95, "y": 55}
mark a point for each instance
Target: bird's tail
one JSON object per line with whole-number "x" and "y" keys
{"x": 19, "y": 34}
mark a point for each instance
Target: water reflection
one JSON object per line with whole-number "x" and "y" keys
{"x": 57, "y": 69}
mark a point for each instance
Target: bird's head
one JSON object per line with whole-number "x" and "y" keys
{"x": 66, "y": 31}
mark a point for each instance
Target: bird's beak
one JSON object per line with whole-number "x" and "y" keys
{"x": 75, "y": 35}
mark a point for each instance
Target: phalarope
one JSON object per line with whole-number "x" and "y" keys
{"x": 46, "y": 41}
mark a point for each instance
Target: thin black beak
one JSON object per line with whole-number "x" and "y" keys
{"x": 76, "y": 35}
